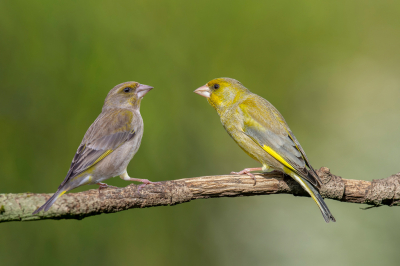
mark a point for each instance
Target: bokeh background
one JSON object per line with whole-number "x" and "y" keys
{"x": 331, "y": 68}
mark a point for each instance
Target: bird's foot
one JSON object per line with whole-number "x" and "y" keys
{"x": 144, "y": 181}
{"x": 247, "y": 171}
{"x": 103, "y": 186}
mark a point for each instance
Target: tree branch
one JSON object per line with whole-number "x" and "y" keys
{"x": 19, "y": 207}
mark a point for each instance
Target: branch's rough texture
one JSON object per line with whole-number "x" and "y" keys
{"x": 19, "y": 207}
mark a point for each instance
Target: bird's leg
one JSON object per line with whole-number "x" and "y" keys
{"x": 247, "y": 171}
{"x": 145, "y": 182}
{"x": 103, "y": 186}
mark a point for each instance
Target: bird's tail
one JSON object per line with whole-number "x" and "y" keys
{"x": 326, "y": 213}
{"x": 50, "y": 201}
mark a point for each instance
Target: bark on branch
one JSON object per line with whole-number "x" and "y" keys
{"x": 19, "y": 207}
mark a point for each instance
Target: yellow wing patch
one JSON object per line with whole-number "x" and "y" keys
{"x": 90, "y": 168}
{"x": 62, "y": 193}
{"x": 278, "y": 157}
{"x": 102, "y": 157}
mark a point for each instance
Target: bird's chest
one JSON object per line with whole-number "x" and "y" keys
{"x": 132, "y": 146}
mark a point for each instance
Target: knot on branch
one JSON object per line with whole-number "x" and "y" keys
{"x": 333, "y": 186}
{"x": 384, "y": 191}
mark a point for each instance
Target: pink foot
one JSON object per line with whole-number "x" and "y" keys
{"x": 103, "y": 186}
{"x": 247, "y": 172}
{"x": 144, "y": 181}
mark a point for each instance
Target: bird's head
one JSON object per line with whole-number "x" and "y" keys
{"x": 126, "y": 95}
{"x": 221, "y": 93}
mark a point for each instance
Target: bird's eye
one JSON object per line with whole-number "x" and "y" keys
{"x": 216, "y": 86}
{"x": 127, "y": 89}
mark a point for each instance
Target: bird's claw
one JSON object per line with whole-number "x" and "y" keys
{"x": 145, "y": 183}
{"x": 246, "y": 172}
{"x": 104, "y": 186}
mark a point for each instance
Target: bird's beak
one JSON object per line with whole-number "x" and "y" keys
{"x": 203, "y": 91}
{"x": 142, "y": 90}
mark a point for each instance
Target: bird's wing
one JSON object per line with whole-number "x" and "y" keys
{"x": 266, "y": 126}
{"x": 109, "y": 131}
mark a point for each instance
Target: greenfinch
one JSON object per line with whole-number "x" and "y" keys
{"x": 109, "y": 143}
{"x": 261, "y": 131}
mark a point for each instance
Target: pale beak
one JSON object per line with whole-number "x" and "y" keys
{"x": 203, "y": 91}
{"x": 142, "y": 90}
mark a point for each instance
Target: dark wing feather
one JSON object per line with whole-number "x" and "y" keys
{"x": 110, "y": 130}
{"x": 266, "y": 126}
{"x": 312, "y": 170}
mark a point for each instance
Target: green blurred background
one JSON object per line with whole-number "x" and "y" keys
{"x": 331, "y": 68}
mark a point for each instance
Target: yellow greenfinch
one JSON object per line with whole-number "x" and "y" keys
{"x": 109, "y": 143}
{"x": 261, "y": 131}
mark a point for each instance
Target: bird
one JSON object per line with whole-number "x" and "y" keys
{"x": 109, "y": 144}
{"x": 262, "y": 132}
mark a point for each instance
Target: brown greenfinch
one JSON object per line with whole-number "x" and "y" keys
{"x": 109, "y": 143}
{"x": 261, "y": 131}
